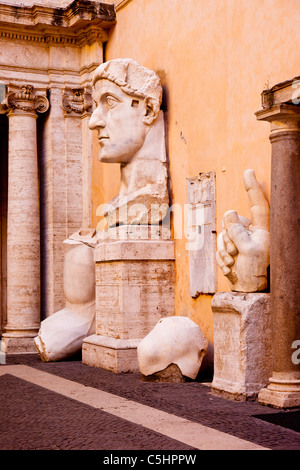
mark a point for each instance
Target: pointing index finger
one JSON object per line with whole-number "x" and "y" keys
{"x": 260, "y": 210}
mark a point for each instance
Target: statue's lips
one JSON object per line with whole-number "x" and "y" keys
{"x": 102, "y": 138}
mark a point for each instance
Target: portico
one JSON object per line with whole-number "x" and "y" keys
{"x": 48, "y": 57}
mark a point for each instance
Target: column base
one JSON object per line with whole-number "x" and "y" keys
{"x": 116, "y": 355}
{"x": 281, "y": 394}
{"x": 18, "y": 343}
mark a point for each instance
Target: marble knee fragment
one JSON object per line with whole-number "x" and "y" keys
{"x": 174, "y": 340}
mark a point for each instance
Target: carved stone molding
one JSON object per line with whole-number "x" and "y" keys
{"x": 76, "y": 101}
{"x": 49, "y": 37}
{"x": 25, "y": 99}
{"x": 81, "y": 22}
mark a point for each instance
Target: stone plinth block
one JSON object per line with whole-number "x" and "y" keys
{"x": 116, "y": 355}
{"x": 134, "y": 290}
{"x": 2, "y": 355}
{"x": 242, "y": 344}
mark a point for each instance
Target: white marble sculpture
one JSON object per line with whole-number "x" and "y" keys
{"x": 243, "y": 246}
{"x": 130, "y": 129}
{"x": 61, "y": 334}
{"x": 174, "y": 340}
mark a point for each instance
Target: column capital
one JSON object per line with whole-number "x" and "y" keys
{"x": 25, "y": 99}
{"x": 284, "y": 118}
{"x": 77, "y": 101}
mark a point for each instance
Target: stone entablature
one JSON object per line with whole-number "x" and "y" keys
{"x": 74, "y": 18}
{"x": 56, "y": 45}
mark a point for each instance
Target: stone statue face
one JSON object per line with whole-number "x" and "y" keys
{"x": 120, "y": 122}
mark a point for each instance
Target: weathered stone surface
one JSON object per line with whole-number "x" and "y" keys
{"x": 172, "y": 373}
{"x": 244, "y": 245}
{"x": 174, "y": 340}
{"x": 242, "y": 344}
{"x": 61, "y": 334}
{"x": 134, "y": 286}
{"x": 116, "y": 355}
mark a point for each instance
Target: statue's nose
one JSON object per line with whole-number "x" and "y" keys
{"x": 96, "y": 120}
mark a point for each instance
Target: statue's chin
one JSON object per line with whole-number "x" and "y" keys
{"x": 104, "y": 158}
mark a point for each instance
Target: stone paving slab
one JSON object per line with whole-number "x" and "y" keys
{"x": 33, "y": 418}
{"x": 168, "y": 425}
{"x": 191, "y": 400}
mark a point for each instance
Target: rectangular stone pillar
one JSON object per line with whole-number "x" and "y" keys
{"x": 66, "y": 184}
{"x": 134, "y": 289}
{"x": 242, "y": 344}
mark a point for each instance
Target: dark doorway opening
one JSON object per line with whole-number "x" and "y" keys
{"x": 3, "y": 217}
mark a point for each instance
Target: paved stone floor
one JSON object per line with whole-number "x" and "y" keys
{"x": 71, "y": 406}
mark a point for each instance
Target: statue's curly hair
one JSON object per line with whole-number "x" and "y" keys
{"x": 134, "y": 79}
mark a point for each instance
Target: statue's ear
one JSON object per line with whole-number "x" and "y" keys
{"x": 151, "y": 110}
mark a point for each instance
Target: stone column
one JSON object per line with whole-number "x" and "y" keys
{"x": 284, "y": 388}
{"x": 23, "y": 222}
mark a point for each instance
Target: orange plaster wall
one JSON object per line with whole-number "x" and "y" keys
{"x": 214, "y": 58}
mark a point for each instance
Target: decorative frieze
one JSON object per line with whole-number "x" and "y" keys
{"x": 88, "y": 36}
{"x": 202, "y": 234}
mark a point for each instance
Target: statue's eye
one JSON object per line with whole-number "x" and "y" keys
{"x": 111, "y": 101}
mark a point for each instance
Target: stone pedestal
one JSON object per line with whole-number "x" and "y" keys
{"x": 283, "y": 390}
{"x": 134, "y": 289}
{"x": 242, "y": 344}
{"x": 2, "y": 356}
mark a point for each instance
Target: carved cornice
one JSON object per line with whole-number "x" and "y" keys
{"x": 77, "y": 101}
{"x": 82, "y": 22}
{"x": 25, "y": 99}
{"x": 287, "y": 92}
{"x": 75, "y": 15}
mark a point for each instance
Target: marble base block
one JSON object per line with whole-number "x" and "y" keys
{"x": 2, "y": 355}
{"x": 283, "y": 391}
{"x": 134, "y": 290}
{"x": 242, "y": 344}
{"x": 116, "y": 355}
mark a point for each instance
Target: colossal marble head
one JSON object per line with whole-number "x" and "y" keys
{"x": 130, "y": 128}
{"x": 128, "y": 98}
